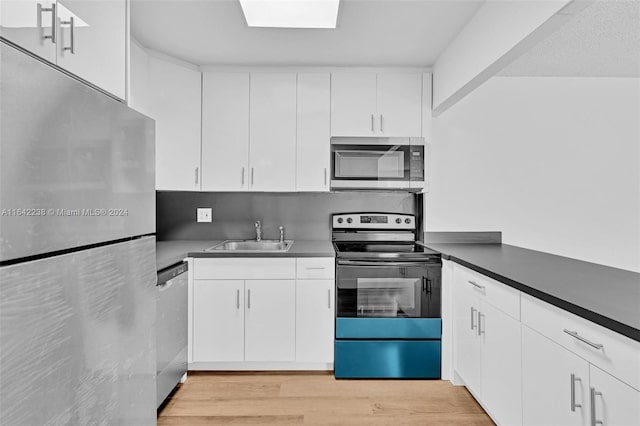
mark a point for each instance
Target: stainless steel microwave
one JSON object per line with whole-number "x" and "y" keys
{"x": 377, "y": 163}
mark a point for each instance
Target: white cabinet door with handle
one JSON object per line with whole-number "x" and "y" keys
{"x": 218, "y": 320}
{"x": 353, "y": 104}
{"x": 225, "y": 131}
{"x": 399, "y": 101}
{"x": 612, "y": 402}
{"x": 315, "y": 320}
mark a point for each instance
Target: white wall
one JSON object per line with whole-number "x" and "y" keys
{"x": 553, "y": 163}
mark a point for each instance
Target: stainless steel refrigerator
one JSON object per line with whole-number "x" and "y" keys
{"x": 77, "y": 252}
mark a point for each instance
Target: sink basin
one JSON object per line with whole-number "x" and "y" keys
{"x": 252, "y": 246}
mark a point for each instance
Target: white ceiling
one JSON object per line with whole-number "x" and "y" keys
{"x": 370, "y": 33}
{"x": 601, "y": 41}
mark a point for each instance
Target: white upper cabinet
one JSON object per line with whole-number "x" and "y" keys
{"x": 175, "y": 104}
{"x": 313, "y": 132}
{"x": 272, "y": 130}
{"x": 30, "y": 24}
{"x": 370, "y": 104}
{"x": 353, "y": 104}
{"x": 90, "y": 37}
{"x": 225, "y": 131}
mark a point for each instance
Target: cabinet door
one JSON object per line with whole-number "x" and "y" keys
{"x": 175, "y": 105}
{"x": 313, "y": 132}
{"x": 218, "y": 320}
{"x": 399, "y": 104}
{"x": 549, "y": 372}
{"x": 30, "y": 27}
{"x": 314, "y": 320}
{"x": 98, "y": 39}
{"x": 225, "y": 131}
{"x": 614, "y": 402}
{"x": 270, "y": 320}
{"x": 467, "y": 360}
{"x": 353, "y": 104}
{"x": 272, "y": 146}
{"x": 501, "y": 365}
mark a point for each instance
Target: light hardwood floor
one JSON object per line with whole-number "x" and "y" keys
{"x": 283, "y": 398}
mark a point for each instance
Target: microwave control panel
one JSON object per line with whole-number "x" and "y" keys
{"x": 416, "y": 163}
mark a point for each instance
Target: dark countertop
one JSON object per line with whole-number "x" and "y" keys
{"x": 170, "y": 252}
{"x": 607, "y": 296}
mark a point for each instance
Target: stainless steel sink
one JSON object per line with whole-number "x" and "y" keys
{"x": 252, "y": 246}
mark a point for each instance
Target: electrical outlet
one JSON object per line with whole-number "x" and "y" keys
{"x": 204, "y": 214}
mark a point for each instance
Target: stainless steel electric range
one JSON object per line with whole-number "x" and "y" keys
{"x": 388, "y": 297}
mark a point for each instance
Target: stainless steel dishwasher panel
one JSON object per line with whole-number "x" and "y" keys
{"x": 171, "y": 329}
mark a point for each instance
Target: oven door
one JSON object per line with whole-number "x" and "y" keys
{"x": 381, "y": 289}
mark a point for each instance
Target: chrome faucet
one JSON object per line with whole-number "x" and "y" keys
{"x": 258, "y": 225}
{"x": 282, "y": 235}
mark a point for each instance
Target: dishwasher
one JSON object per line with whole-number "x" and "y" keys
{"x": 171, "y": 329}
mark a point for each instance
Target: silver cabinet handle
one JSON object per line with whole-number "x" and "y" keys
{"x": 480, "y": 330}
{"x": 313, "y": 268}
{"x": 329, "y": 298}
{"x": 575, "y": 334}
{"x": 325, "y": 176}
{"x": 473, "y": 313}
{"x": 197, "y": 170}
{"x": 242, "y": 178}
{"x": 574, "y": 405}
{"x": 252, "y": 176}
{"x": 71, "y": 47}
{"x": 372, "y": 125}
{"x": 594, "y": 420}
{"x": 237, "y": 299}
{"x": 249, "y": 299}
{"x": 381, "y": 123}
{"x": 51, "y": 9}
{"x": 476, "y": 285}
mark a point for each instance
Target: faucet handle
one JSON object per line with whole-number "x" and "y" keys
{"x": 282, "y": 234}
{"x": 258, "y": 224}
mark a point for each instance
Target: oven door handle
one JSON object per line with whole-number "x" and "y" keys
{"x": 379, "y": 264}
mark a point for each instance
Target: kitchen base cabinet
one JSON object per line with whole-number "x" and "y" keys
{"x": 611, "y": 401}
{"x": 255, "y": 314}
{"x": 218, "y": 316}
{"x": 555, "y": 383}
{"x": 269, "y": 333}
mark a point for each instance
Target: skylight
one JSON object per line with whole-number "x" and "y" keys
{"x": 291, "y": 13}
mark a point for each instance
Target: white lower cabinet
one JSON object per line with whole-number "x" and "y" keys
{"x": 254, "y": 314}
{"x": 487, "y": 344}
{"x": 269, "y": 329}
{"x": 555, "y": 383}
{"x": 612, "y": 401}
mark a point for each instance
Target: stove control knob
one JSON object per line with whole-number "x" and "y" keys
{"x": 340, "y": 220}
{"x": 398, "y": 221}
{"x": 407, "y": 221}
{"x": 349, "y": 220}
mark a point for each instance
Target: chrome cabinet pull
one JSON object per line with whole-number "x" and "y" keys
{"x": 476, "y": 285}
{"x": 51, "y": 9}
{"x": 325, "y": 176}
{"x": 594, "y": 420}
{"x": 575, "y": 335}
{"x": 252, "y": 176}
{"x": 372, "y": 125}
{"x": 196, "y": 170}
{"x": 381, "y": 123}
{"x": 71, "y": 47}
{"x": 313, "y": 268}
{"x": 329, "y": 298}
{"x": 242, "y": 178}
{"x": 574, "y": 405}
{"x": 473, "y": 313}
{"x": 237, "y": 299}
{"x": 249, "y": 299}
{"x": 480, "y": 316}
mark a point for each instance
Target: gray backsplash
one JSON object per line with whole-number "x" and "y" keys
{"x": 305, "y": 216}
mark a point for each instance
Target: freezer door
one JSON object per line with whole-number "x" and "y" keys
{"x": 77, "y": 338}
{"x": 76, "y": 166}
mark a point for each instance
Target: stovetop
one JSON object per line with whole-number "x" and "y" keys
{"x": 378, "y": 250}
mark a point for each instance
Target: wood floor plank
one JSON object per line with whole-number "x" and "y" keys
{"x": 297, "y": 398}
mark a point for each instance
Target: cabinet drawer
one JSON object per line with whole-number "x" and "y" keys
{"x": 229, "y": 268}
{"x": 501, "y": 296}
{"x": 315, "y": 268}
{"x": 619, "y": 355}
